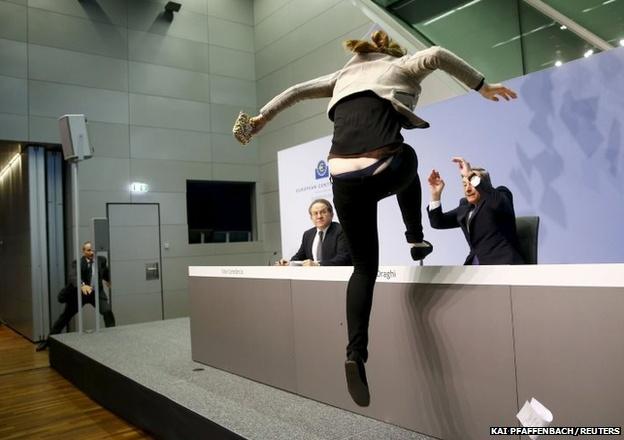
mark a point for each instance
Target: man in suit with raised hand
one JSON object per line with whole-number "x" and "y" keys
{"x": 485, "y": 215}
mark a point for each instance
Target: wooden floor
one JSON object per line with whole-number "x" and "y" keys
{"x": 37, "y": 403}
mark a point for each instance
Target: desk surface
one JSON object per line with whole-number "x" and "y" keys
{"x": 581, "y": 275}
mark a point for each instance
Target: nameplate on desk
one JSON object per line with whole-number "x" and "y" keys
{"x": 593, "y": 275}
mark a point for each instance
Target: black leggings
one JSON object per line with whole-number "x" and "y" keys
{"x": 355, "y": 199}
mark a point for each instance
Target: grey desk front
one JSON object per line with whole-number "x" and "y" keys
{"x": 453, "y": 350}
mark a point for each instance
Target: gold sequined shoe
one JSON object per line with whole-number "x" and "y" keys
{"x": 242, "y": 128}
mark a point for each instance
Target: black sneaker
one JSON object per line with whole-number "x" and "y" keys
{"x": 356, "y": 382}
{"x": 420, "y": 252}
{"x": 42, "y": 345}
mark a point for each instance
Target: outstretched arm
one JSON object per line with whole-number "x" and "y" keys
{"x": 424, "y": 62}
{"x": 322, "y": 87}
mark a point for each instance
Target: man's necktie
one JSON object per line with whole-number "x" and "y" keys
{"x": 319, "y": 246}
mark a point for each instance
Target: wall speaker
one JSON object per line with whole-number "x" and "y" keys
{"x": 74, "y": 137}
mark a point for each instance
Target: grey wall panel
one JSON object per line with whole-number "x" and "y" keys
{"x": 14, "y": 58}
{"x": 65, "y": 32}
{"x": 105, "y": 11}
{"x": 13, "y": 127}
{"x": 275, "y": 141}
{"x": 226, "y": 149}
{"x": 270, "y": 201}
{"x": 109, "y": 140}
{"x": 104, "y": 174}
{"x": 166, "y": 144}
{"x": 311, "y": 129}
{"x": 233, "y": 63}
{"x": 268, "y": 177}
{"x": 175, "y": 272}
{"x": 240, "y": 11}
{"x": 274, "y": 83}
{"x": 172, "y": 206}
{"x": 161, "y": 112}
{"x": 570, "y": 353}
{"x": 93, "y": 203}
{"x": 288, "y": 18}
{"x": 168, "y": 176}
{"x": 235, "y": 172}
{"x": 330, "y": 55}
{"x": 54, "y": 100}
{"x": 264, "y": 8}
{"x": 335, "y": 21}
{"x": 225, "y": 90}
{"x": 168, "y": 51}
{"x": 265, "y": 349}
{"x": 123, "y": 239}
{"x": 222, "y": 117}
{"x": 63, "y": 66}
{"x": 131, "y": 309}
{"x": 167, "y": 81}
{"x": 176, "y": 303}
{"x": 13, "y": 21}
{"x": 229, "y": 34}
{"x": 43, "y": 129}
{"x": 134, "y": 215}
{"x": 144, "y": 15}
{"x": 271, "y": 236}
{"x": 133, "y": 275}
{"x": 199, "y": 6}
{"x": 13, "y": 95}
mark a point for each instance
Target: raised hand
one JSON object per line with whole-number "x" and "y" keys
{"x": 493, "y": 91}
{"x": 436, "y": 185}
{"x": 464, "y": 166}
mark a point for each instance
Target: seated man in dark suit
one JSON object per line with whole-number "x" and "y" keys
{"x": 485, "y": 215}
{"x": 324, "y": 244}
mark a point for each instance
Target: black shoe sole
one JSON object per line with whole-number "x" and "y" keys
{"x": 419, "y": 253}
{"x": 357, "y": 389}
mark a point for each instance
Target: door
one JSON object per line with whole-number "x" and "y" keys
{"x": 135, "y": 262}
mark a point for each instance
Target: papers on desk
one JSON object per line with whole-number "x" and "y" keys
{"x": 295, "y": 263}
{"x": 534, "y": 415}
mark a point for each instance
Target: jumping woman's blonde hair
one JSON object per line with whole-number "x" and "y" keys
{"x": 380, "y": 43}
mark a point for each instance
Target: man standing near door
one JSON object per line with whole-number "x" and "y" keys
{"x": 68, "y": 294}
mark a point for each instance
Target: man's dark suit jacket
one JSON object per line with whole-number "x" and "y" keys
{"x": 86, "y": 272}
{"x": 491, "y": 232}
{"x": 335, "y": 250}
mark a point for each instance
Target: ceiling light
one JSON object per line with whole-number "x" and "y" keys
{"x": 6, "y": 169}
{"x": 558, "y": 63}
{"x": 589, "y": 53}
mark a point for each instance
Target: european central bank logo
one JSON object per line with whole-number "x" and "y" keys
{"x": 321, "y": 170}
